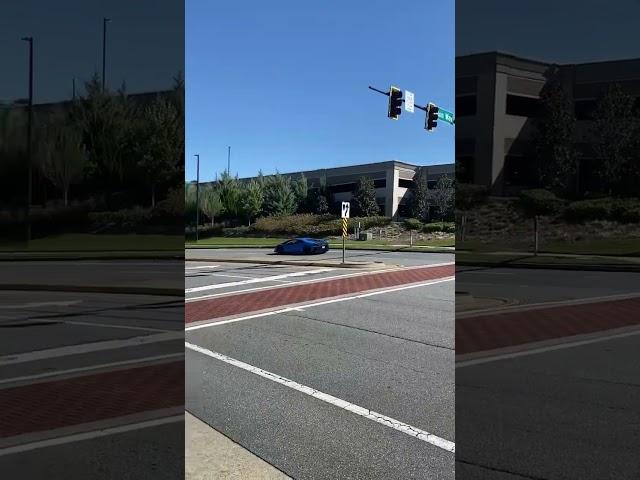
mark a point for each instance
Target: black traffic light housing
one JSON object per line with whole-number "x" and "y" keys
{"x": 432, "y": 117}
{"x": 395, "y": 103}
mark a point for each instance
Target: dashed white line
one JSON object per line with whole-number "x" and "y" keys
{"x": 88, "y": 347}
{"x": 316, "y": 304}
{"x": 256, "y": 280}
{"x": 325, "y": 397}
{"x": 58, "y": 373}
{"x": 89, "y": 435}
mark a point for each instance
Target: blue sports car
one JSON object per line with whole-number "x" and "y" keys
{"x": 302, "y": 246}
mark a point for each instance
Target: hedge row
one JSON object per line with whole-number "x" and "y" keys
{"x": 615, "y": 209}
{"x": 310, "y": 224}
{"x": 415, "y": 224}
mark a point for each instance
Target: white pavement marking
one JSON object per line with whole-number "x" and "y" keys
{"x": 88, "y": 347}
{"x": 201, "y": 267}
{"x": 313, "y": 280}
{"x": 257, "y": 280}
{"x": 549, "y": 348}
{"x": 89, "y": 435}
{"x": 112, "y": 325}
{"x": 216, "y": 274}
{"x": 62, "y": 303}
{"x": 325, "y": 397}
{"x": 58, "y": 373}
{"x": 325, "y": 302}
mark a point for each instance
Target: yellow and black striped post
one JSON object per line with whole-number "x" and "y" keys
{"x": 345, "y": 222}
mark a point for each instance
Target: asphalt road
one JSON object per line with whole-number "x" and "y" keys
{"x": 91, "y": 383}
{"x": 391, "y": 353}
{"x": 564, "y": 408}
{"x": 529, "y": 286}
{"x": 397, "y": 258}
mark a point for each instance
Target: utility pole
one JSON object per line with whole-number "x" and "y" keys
{"x": 29, "y": 133}
{"x": 105, "y": 20}
{"x": 197, "y": 195}
{"x": 229, "y": 160}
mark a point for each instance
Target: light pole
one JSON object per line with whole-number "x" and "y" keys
{"x": 29, "y": 130}
{"x": 105, "y": 20}
{"x": 197, "y": 194}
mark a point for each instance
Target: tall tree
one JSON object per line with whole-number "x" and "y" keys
{"x": 160, "y": 143}
{"x": 443, "y": 196}
{"x": 279, "y": 198}
{"x": 252, "y": 199}
{"x": 420, "y": 195}
{"x": 211, "y": 204}
{"x": 556, "y": 155}
{"x": 615, "y": 131}
{"x": 301, "y": 192}
{"x": 65, "y": 158}
{"x": 364, "y": 198}
{"x": 229, "y": 190}
{"x": 106, "y": 123}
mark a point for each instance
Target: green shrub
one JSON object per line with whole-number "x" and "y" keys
{"x": 311, "y": 224}
{"x": 447, "y": 227}
{"x": 540, "y": 202}
{"x": 412, "y": 224}
{"x": 236, "y": 231}
{"x": 614, "y": 209}
{"x": 470, "y": 196}
{"x": 130, "y": 220}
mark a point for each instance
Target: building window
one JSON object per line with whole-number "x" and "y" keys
{"x": 404, "y": 183}
{"x": 380, "y": 183}
{"x": 342, "y": 188}
{"x": 522, "y": 106}
{"x": 466, "y": 105}
{"x": 519, "y": 171}
{"x": 584, "y": 109}
{"x": 464, "y": 169}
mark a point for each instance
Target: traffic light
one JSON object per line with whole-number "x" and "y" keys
{"x": 432, "y": 117}
{"x": 395, "y": 103}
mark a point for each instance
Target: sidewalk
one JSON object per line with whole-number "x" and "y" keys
{"x": 209, "y": 455}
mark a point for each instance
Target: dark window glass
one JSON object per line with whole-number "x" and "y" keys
{"x": 344, "y": 187}
{"x": 522, "y": 106}
{"x": 380, "y": 183}
{"x": 519, "y": 171}
{"x": 464, "y": 169}
{"x": 584, "y": 109}
{"x": 404, "y": 183}
{"x": 466, "y": 105}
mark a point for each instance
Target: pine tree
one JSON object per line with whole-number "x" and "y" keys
{"x": 420, "y": 195}
{"x": 364, "y": 198}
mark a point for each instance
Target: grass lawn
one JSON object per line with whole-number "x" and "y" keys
{"x": 602, "y": 246}
{"x": 92, "y": 243}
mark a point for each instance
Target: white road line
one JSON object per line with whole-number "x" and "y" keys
{"x": 550, "y": 348}
{"x": 123, "y": 327}
{"x": 257, "y": 280}
{"x": 325, "y": 397}
{"x": 201, "y": 267}
{"x": 88, "y": 348}
{"x": 42, "y": 304}
{"x": 89, "y": 435}
{"x": 58, "y": 373}
{"x": 325, "y": 302}
{"x": 333, "y": 277}
{"x": 215, "y": 274}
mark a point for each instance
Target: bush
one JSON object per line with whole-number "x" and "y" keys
{"x": 447, "y": 227}
{"x": 621, "y": 210}
{"x": 236, "y": 231}
{"x": 469, "y": 196}
{"x": 540, "y": 202}
{"x": 311, "y": 224}
{"x": 130, "y": 220}
{"x": 412, "y": 224}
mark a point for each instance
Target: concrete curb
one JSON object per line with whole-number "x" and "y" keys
{"x": 554, "y": 266}
{"x": 300, "y": 263}
{"x": 111, "y": 289}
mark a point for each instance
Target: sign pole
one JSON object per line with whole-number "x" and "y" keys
{"x": 343, "y": 248}
{"x": 346, "y": 208}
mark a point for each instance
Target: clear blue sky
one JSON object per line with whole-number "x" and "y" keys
{"x": 284, "y": 83}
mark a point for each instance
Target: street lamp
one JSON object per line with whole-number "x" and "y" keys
{"x": 105, "y": 20}
{"x": 197, "y": 195}
{"x": 29, "y": 130}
